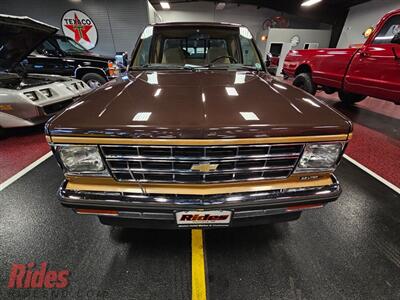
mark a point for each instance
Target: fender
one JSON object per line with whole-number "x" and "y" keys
{"x": 84, "y": 70}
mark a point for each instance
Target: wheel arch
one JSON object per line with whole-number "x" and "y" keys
{"x": 303, "y": 68}
{"x": 81, "y": 71}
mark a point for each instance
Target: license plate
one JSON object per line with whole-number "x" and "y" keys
{"x": 203, "y": 218}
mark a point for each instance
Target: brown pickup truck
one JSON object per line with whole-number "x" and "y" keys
{"x": 197, "y": 134}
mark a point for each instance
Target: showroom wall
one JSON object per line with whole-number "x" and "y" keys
{"x": 118, "y": 23}
{"x": 361, "y": 17}
{"x": 248, "y": 15}
{"x": 320, "y": 36}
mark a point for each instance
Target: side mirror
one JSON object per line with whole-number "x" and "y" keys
{"x": 396, "y": 39}
{"x": 121, "y": 59}
{"x": 268, "y": 59}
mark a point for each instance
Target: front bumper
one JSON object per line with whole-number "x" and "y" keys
{"x": 158, "y": 210}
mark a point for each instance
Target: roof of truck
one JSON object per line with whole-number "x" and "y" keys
{"x": 213, "y": 24}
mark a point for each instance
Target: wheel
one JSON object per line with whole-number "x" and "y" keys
{"x": 94, "y": 80}
{"x": 304, "y": 81}
{"x": 350, "y": 98}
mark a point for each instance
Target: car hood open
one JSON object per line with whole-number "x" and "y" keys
{"x": 204, "y": 104}
{"x": 19, "y": 36}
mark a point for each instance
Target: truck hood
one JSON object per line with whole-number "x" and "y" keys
{"x": 19, "y": 36}
{"x": 203, "y": 104}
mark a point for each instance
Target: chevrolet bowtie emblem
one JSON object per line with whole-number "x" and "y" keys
{"x": 204, "y": 167}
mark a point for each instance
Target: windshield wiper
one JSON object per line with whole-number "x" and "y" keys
{"x": 231, "y": 67}
{"x": 156, "y": 67}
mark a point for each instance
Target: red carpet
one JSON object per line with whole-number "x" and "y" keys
{"x": 377, "y": 152}
{"x": 18, "y": 151}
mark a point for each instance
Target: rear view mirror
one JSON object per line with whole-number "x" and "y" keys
{"x": 396, "y": 38}
{"x": 268, "y": 59}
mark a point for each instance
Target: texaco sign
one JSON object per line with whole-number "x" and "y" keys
{"x": 80, "y": 27}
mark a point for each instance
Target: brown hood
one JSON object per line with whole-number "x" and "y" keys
{"x": 196, "y": 104}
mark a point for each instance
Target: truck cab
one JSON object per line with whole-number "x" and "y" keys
{"x": 61, "y": 55}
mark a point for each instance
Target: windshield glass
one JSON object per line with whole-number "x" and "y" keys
{"x": 196, "y": 47}
{"x": 69, "y": 45}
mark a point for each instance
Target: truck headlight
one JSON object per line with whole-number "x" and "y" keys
{"x": 81, "y": 159}
{"x": 319, "y": 157}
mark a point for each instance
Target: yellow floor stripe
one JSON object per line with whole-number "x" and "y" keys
{"x": 198, "y": 269}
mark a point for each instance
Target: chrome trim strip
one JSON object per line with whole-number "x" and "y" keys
{"x": 280, "y": 197}
{"x": 189, "y": 171}
{"x": 208, "y": 158}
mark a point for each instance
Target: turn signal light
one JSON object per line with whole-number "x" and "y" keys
{"x": 303, "y": 207}
{"x": 111, "y": 68}
{"x": 102, "y": 212}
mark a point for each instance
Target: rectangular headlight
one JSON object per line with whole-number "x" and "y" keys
{"x": 319, "y": 157}
{"x": 81, "y": 159}
{"x": 31, "y": 95}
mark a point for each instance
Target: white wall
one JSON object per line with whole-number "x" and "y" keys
{"x": 154, "y": 17}
{"x": 247, "y": 15}
{"x": 118, "y": 23}
{"x": 279, "y": 35}
{"x": 361, "y": 17}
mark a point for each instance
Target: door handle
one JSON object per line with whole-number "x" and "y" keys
{"x": 364, "y": 54}
{"x": 396, "y": 57}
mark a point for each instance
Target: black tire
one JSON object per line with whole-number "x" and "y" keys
{"x": 93, "y": 80}
{"x": 305, "y": 82}
{"x": 350, "y": 98}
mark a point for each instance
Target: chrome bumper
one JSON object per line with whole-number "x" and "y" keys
{"x": 163, "y": 207}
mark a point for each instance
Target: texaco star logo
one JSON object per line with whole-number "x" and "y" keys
{"x": 80, "y": 27}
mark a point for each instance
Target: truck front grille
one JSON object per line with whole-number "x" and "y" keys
{"x": 175, "y": 164}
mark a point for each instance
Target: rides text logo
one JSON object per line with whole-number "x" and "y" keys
{"x": 31, "y": 276}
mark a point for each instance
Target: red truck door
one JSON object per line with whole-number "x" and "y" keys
{"x": 375, "y": 69}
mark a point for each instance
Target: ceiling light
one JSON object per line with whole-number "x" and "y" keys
{"x": 142, "y": 116}
{"x": 231, "y": 91}
{"x": 157, "y": 93}
{"x": 165, "y": 5}
{"x": 240, "y": 78}
{"x": 310, "y": 2}
{"x": 220, "y": 6}
{"x": 152, "y": 78}
{"x": 249, "y": 116}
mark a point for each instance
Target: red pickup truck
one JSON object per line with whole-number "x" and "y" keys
{"x": 372, "y": 70}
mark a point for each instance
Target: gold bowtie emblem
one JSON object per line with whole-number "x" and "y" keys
{"x": 204, "y": 167}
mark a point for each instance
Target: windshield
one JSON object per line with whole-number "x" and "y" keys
{"x": 196, "y": 47}
{"x": 69, "y": 45}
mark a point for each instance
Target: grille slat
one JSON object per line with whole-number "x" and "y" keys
{"x": 173, "y": 164}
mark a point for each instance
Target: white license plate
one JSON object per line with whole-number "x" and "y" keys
{"x": 203, "y": 218}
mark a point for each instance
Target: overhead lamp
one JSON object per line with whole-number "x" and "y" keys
{"x": 220, "y": 6}
{"x": 310, "y": 2}
{"x": 142, "y": 116}
{"x": 165, "y": 5}
{"x": 231, "y": 91}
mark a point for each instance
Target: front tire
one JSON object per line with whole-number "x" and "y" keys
{"x": 305, "y": 82}
{"x": 350, "y": 98}
{"x": 93, "y": 80}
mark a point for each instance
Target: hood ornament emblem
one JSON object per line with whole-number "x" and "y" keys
{"x": 204, "y": 167}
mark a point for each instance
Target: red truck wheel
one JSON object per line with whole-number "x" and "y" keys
{"x": 304, "y": 81}
{"x": 350, "y": 98}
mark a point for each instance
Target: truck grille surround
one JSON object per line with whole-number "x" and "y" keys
{"x": 175, "y": 164}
